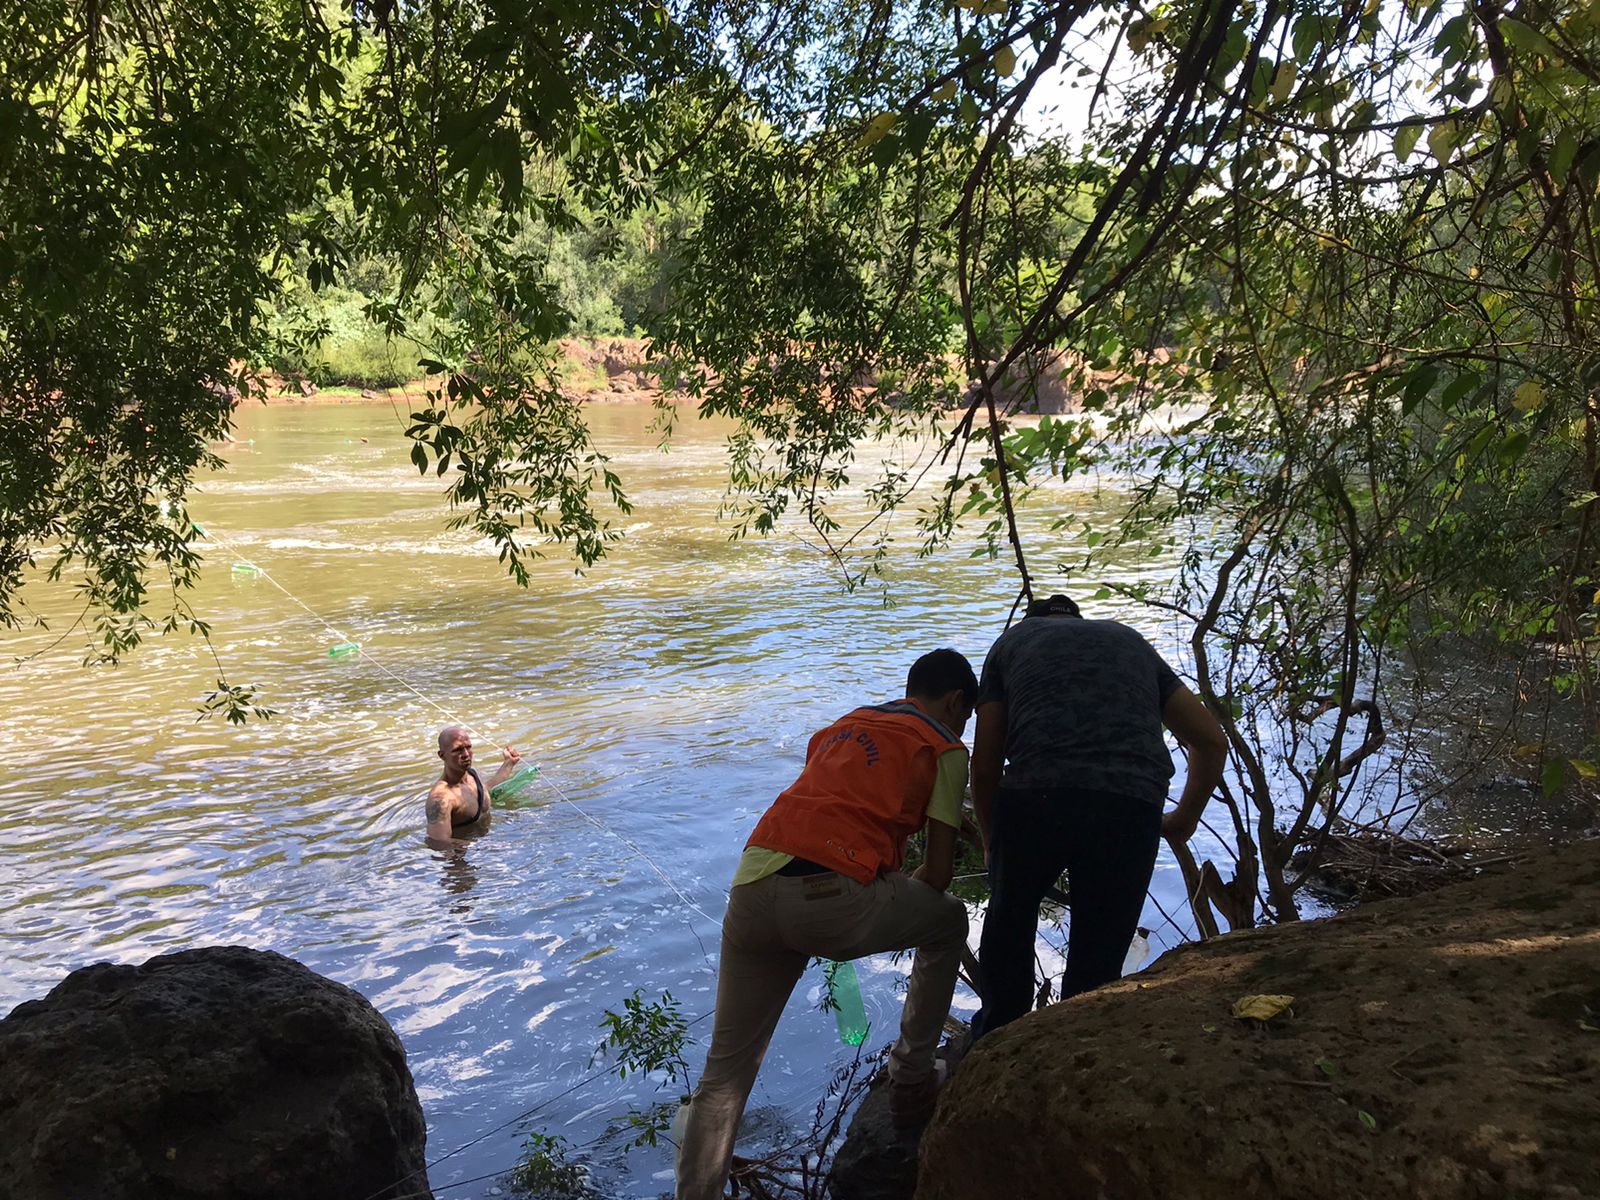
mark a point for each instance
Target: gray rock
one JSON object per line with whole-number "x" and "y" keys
{"x": 877, "y": 1161}
{"x": 217, "y": 1072}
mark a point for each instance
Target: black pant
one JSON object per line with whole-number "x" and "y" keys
{"x": 1107, "y": 845}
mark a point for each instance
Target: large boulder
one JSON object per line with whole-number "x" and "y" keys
{"x": 218, "y": 1072}
{"x": 1437, "y": 1048}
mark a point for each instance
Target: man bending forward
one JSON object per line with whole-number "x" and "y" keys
{"x": 820, "y": 877}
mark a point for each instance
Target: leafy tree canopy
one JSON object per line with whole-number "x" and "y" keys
{"x": 1357, "y": 238}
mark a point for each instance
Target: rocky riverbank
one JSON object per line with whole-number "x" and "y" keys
{"x": 625, "y": 371}
{"x": 1442, "y": 1046}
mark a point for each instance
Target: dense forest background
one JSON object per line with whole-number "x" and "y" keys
{"x": 608, "y": 279}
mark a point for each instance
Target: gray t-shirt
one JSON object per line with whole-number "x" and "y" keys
{"x": 1083, "y": 706}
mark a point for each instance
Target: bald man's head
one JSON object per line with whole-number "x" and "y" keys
{"x": 455, "y": 748}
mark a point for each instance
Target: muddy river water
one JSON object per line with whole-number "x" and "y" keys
{"x": 667, "y": 696}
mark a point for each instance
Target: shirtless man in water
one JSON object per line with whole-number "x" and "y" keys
{"x": 459, "y": 802}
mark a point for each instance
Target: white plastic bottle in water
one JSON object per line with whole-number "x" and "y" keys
{"x": 1138, "y": 951}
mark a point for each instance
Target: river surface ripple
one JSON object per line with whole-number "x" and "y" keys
{"x": 667, "y": 695}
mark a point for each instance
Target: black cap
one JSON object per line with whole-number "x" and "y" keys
{"x": 1057, "y": 605}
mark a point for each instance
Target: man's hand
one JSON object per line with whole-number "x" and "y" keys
{"x": 1175, "y": 830}
{"x": 510, "y": 760}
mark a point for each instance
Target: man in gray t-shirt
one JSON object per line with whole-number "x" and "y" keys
{"x": 1083, "y": 707}
{"x": 1070, "y": 772}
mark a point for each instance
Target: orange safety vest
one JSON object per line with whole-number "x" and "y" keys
{"x": 864, "y": 790}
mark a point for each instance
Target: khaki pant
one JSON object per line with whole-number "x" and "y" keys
{"x": 772, "y": 929}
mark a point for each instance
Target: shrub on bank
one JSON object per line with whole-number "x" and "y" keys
{"x": 327, "y": 337}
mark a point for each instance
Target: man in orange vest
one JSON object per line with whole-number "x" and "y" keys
{"x": 820, "y": 877}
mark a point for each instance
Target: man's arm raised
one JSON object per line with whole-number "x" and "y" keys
{"x": 510, "y": 760}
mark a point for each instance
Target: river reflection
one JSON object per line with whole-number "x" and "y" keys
{"x": 667, "y": 696}
{"x": 459, "y": 877}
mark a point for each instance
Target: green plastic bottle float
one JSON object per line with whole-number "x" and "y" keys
{"x": 518, "y": 783}
{"x": 246, "y": 570}
{"x": 344, "y": 649}
{"x": 844, "y": 988}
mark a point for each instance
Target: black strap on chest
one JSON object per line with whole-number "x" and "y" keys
{"x": 483, "y": 793}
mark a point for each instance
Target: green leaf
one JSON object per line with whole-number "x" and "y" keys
{"x": 1584, "y": 767}
{"x": 886, "y": 151}
{"x": 1527, "y": 142}
{"x": 919, "y": 126}
{"x": 1232, "y": 51}
{"x": 1526, "y": 38}
{"x": 1283, "y": 81}
{"x": 419, "y": 456}
{"x": 1307, "y": 36}
{"x": 1404, "y": 139}
{"x": 1561, "y": 157}
{"x": 1552, "y": 777}
{"x": 1367, "y": 1119}
{"x": 1589, "y": 169}
{"x": 1442, "y": 140}
{"x": 506, "y": 147}
{"x": 1459, "y": 389}
{"x": 1453, "y": 37}
{"x": 1419, "y": 382}
{"x": 1480, "y": 440}
{"x": 1512, "y": 448}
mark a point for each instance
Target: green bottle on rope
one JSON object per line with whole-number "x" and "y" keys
{"x": 518, "y": 783}
{"x": 344, "y": 649}
{"x": 848, "y": 1012}
{"x": 243, "y": 568}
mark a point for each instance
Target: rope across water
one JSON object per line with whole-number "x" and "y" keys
{"x": 559, "y": 792}
{"x": 544, "y": 776}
